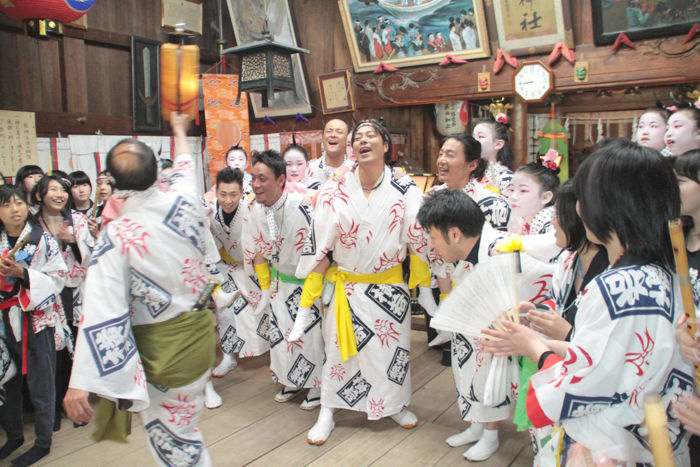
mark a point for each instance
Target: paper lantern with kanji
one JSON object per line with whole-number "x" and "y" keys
{"x": 179, "y": 79}
{"x": 63, "y": 11}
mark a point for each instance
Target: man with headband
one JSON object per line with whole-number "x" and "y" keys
{"x": 367, "y": 221}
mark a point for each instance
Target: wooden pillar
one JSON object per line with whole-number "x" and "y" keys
{"x": 520, "y": 132}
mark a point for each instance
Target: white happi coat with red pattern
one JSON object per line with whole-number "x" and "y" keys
{"x": 367, "y": 235}
{"x": 148, "y": 266}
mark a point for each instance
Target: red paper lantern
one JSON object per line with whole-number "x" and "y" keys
{"x": 64, "y": 11}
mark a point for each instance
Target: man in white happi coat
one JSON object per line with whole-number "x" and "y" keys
{"x": 335, "y": 161}
{"x": 366, "y": 220}
{"x": 273, "y": 236}
{"x": 146, "y": 345}
{"x": 240, "y": 330}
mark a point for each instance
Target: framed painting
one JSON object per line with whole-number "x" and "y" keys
{"x": 145, "y": 84}
{"x": 413, "y": 32}
{"x": 248, "y": 18}
{"x": 642, "y": 19}
{"x": 336, "y": 92}
{"x": 529, "y": 27}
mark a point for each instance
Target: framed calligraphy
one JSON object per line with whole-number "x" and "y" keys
{"x": 642, "y": 19}
{"x": 145, "y": 84}
{"x": 413, "y": 32}
{"x": 528, "y": 27}
{"x": 336, "y": 92}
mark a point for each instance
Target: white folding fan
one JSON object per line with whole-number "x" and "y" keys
{"x": 490, "y": 291}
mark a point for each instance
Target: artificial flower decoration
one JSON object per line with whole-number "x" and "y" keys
{"x": 551, "y": 159}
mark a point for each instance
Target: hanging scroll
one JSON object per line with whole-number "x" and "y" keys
{"x": 17, "y": 141}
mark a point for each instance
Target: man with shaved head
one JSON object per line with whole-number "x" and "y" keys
{"x": 335, "y": 161}
{"x": 145, "y": 343}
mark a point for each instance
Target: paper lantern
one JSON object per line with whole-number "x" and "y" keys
{"x": 43, "y": 17}
{"x": 265, "y": 67}
{"x": 179, "y": 79}
{"x": 64, "y": 11}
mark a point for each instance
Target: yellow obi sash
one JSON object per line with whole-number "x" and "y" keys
{"x": 343, "y": 317}
{"x": 227, "y": 258}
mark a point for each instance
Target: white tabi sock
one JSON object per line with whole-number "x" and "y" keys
{"x": 227, "y": 364}
{"x": 211, "y": 399}
{"x": 405, "y": 419}
{"x": 470, "y": 435}
{"x": 302, "y": 321}
{"x": 319, "y": 433}
{"x": 485, "y": 448}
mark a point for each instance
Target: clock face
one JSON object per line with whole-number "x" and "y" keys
{"x": 533, "y": 82}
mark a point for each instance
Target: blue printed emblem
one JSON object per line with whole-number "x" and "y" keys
{"x": 398, "y": 368}
{"x": 579, "y": 406}
{"x": 154, "y": 297}
{"x": 170, "y": 448}
{"x": 637, "y": 290}
{"x": 111, "y": 343}
{"x": 354, "y": 390}
{"x": 186, "y": 220}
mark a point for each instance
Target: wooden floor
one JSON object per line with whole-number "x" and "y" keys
{"x": 252, "y": 429}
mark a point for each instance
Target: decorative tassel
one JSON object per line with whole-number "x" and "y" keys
{"x": 621, "y": 40}
{"x": 561, "y": 49}
{"x": 501, "y": 59}
{"x": 451, "y": 60}
{"x": 384, "y": 68}
{"x": 267, "y": 120}
{"x": 692, "y": 33}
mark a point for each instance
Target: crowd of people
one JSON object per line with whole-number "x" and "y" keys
{"x": 118, "y": 302}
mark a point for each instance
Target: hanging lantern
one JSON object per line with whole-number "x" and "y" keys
{"x": 265, "y": 67}
{"x": 179, "y": 78}
{"x": 45, "y": 16}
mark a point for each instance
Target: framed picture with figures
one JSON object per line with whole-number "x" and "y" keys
{"x": 531, "y": 27}
{"x": 413, "y": 32}
{"x": 642, "y": 19}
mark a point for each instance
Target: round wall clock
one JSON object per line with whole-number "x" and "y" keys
{"x": 533, "y": 81}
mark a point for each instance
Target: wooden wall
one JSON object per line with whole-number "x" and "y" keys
{"x": 80, "y": 83}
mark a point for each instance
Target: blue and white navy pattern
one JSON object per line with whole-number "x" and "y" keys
{"x": 390, "y": 298}
{"x": 231, "y": 343}
{"x": 300, "y": 371}
{"x": 111, "y": 343}
{"x": 462, "y": 350}
{"x": 354, "y": 390}
{"x": 637, "y": 290}
{"x": 170, "y": 448}
{"x": 185, "y": 220}
{"x": 145, "y": 291}
{"x": 103, "y": 245}
{"x": 363, "y": 334}
{"x": 400, "y": 363}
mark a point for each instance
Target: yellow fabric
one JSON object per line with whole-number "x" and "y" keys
{"x": 443, "y": 295}
{"x": 420, "y": 273}
{"x": 227, "y": 258}
{"x": 560, "y": 444}
{"x": 263, "y": 272}
{"x": 313, "y": 287}
{"x": 510, "y": 244}
{"x": 492, "y": 188}
{"x": 343, "y": 316}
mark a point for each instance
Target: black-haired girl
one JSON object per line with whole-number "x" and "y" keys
{"x": 496, "y": 150}
{"x": 592, "y": 388}
{"x": 33, "y": 322}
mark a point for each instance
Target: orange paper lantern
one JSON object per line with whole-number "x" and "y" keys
{"x": 179, "y": 79}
